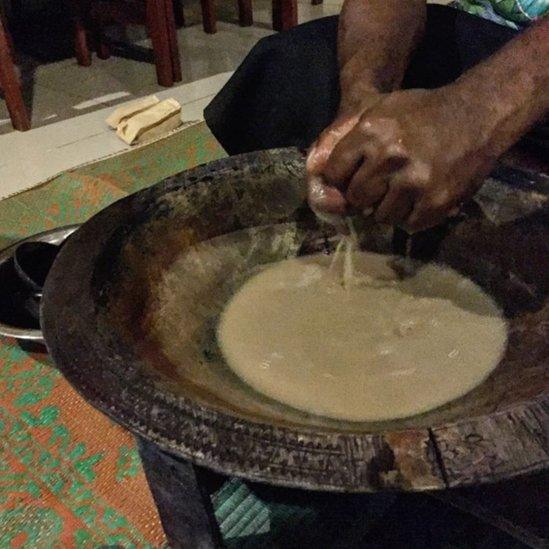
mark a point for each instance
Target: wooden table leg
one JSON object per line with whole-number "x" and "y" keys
{"x": 81, "y": 46}
{"x": 10, "y": 83}
{"x": 179, "y": 14}
{"x": 516, "y": 506}
{"x": 180, "y": 492}
{"x": 284, "y": 14}
{"x": 172, "y": 38}
{"x": 101, "y": 47}
{"x": 245, "y": 13}
{"x": 158, "y": 31}
{"x": 209, "y": 21}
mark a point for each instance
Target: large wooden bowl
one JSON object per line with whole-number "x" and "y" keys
{"x": 130, "y": 311}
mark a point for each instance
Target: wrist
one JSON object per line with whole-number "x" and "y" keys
{"x": 358, "y": 103}
{"x": 478, "y": 116}
{"x": 358, "y": 86}
{"x": 357, "y": 97}
{"x": 496, "y": 120}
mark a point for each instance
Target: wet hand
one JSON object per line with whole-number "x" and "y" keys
{"x": 414, "y": 156}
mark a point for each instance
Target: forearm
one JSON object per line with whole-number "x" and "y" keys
{"x": 511, "y": 88}
{"x": 375, "y": 41}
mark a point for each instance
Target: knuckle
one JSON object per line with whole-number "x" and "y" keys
{"x": 439, "y": 201}
{"x": 390, "y": 130}
{"x": 365, "y": 124}
{"x": 397, "y": 153}
{"x": 420, "y": 172}
{"x": 325, "y": 135}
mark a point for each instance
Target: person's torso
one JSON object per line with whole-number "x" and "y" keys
{"x": 514, "y": 13}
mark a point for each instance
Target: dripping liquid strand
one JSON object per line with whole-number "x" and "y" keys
{"x": 345, "y": 252}
{"x": 346, "y": 247}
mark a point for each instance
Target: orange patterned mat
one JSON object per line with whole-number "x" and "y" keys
{"x": 69, "y": 477}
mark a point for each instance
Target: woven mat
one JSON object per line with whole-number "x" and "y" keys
{"x": 69, "y": 477}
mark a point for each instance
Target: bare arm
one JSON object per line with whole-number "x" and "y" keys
{"x": 511, "y": 88}
{"x": 375, "y": 41}
{"x": 416, "y": 155}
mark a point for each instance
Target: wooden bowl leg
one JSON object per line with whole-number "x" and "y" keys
{"x": 180, "y": 492}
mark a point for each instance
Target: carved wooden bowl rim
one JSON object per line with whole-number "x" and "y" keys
{"x": 473, "y": 450}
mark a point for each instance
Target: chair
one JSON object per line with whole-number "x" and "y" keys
{"x": 161, "y": 18}
{"x": 158, "y": 17}
{"x": 10, "y": 82}
{"x": 284, "y": 14}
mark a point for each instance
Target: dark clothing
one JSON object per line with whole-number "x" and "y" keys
{"x": 287, "y": 89}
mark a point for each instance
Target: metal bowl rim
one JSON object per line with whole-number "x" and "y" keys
{"x": 53, "y": 236}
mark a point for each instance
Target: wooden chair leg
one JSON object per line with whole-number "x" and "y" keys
{"x": 179, "y": 14}
{"x": 9, "y": 82}
{"x": 284, "y": 14}
{"x": 209, "y": 21}
{"x": 172, "y": 38}
{"x": 101, "y": 47}
{"x": 158, "y": 31}
{"x": 245, "y": 13}
{"x": 81, "y": 46}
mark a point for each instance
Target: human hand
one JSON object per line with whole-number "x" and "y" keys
{"x": 414, "y": 156}
{"x": 326, "y": 198}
